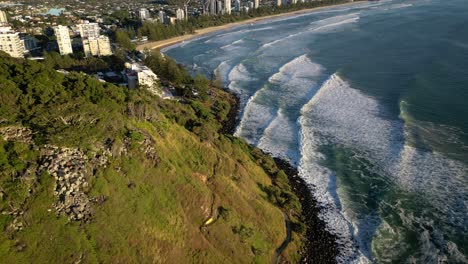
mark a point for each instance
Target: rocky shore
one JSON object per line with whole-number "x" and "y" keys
{"x": 320, "y": 245}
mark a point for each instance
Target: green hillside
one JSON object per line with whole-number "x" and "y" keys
{"x": 94, "y": 173}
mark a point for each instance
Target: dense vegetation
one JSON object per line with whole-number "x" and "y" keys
{"x": 170, "y": 168}
{"x": 78, "y": 63}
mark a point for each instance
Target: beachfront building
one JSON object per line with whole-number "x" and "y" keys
{"x": 11, "y": 43}
{"x": 172, "y": 20}
{"x": 227, "y": 6}
{"x": 144, "y": 14}
{"x": 3, "y": 18}
{"x": 237, "y": 5}
{"x": 89, "y": 30}
{"x": 162, "y": 17}
{"x": 216, "y": 7}
{"x": 180, "y": 14}
{"x": 138, "y": 75}
{"x": 219, "y": 8}
{"x": 99, "y": 46}
{"x": 293, "y": 2}
{"x": 63, "y": 39}
{"x": 256, "y": 4}
{"x": 29, "y": 43}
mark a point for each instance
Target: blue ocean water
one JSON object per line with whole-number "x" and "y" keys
{"x": 370, "y": 101}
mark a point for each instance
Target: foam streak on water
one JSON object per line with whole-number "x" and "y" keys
{"x": 324, "y": 25}
{"x": 369, "y": 101}
{"x": 342, "y": 116}
{"x": 288, "y": 89}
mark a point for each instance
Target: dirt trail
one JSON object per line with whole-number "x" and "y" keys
{"x": 286, "y": 241}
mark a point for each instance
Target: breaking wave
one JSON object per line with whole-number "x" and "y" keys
{"x": 388, "y": 185}
{"x": 342, "y": 116}
{"x": 283, "y": 95}
{"x": 322, "y": 26}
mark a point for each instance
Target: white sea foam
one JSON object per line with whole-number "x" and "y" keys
{"x": 319, "y": 177}
{"x": 256, "y": 117}
{"x": 340, "y": 115}
{"x": 400, "y": 6}
{"x": 334, "y": 19}
{"x": 334, "y": 25}
{"x": 288, "y": 90}
{"x": 243, "y": 31}
{"x": 237, "y": 78}
{"x": 280, "y": 138}
{"x": 319, "y": 26}
{"x": 223, "y": 70}
{"x": 233, "y": 34}
{"x": 226, "y": 47}
{"x": 297, "y": 81}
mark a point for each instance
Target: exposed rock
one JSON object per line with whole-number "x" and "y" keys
{"x": 148, "y": 148}
{"x": 123, "y": 151}
{"x": 16, "y": 133}
{"x": 16, "y": 225}
{"x": 99, "y": 199}
{"x": 71, "y": 169}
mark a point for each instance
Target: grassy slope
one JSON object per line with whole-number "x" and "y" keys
{"x": 153, "y": 212}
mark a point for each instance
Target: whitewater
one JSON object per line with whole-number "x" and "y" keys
{"x": 369, "y": 101}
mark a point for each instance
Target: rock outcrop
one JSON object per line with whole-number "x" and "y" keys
{"x": 17, "y": 133}
{"x": 71, "y": 170}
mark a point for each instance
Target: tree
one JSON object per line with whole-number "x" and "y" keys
{"x": 201, "y": 83}
{"x": 123, "y": 39}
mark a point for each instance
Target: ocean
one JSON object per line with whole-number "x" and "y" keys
{"x": 370, "y": 102}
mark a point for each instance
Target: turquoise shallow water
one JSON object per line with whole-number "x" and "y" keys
{"x": 370, "y": 101}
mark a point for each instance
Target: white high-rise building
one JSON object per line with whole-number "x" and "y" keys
{"x": 256, "y": 4}
{"x": 237, "y": 5}
{"x": 99, "y": 46}
{"x": 227, "y": 6}
{"x": 279, "y": 2}
{"x": 3, "y": 18}
{"x": 162, "y": 17}
{"x": 140, "y": 75}
{"x": 180, "y": 14}
{"x": 219, "y": 7}
{"x": 11, "y": 43}
{"x": 293, "y": 2}
{"x": 63, "y": 40}
{"x": 104, "y": 46}
{"x": 212, "y": 7}
{"x": 144, "y": 14}
{"x": 89, "y": 30}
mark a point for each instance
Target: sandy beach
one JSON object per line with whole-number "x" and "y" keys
{"x": 167, "y": 42}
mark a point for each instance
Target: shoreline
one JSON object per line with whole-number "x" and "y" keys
{"x": 205, "y": 31}
{"x": 320, "y": 246}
